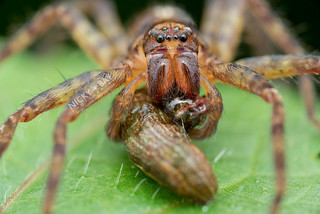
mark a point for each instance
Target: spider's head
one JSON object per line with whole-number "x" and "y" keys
{"x": 171, "y": 50}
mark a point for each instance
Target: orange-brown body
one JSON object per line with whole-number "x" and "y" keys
{"x": 167, "y": 48}
{"x": 172, "y": 57}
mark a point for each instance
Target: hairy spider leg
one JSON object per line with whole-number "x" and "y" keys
{"x": 277, "y": 66}
{"x": 307, "y": 91}
{"x": 120, "y": 104}
{"x": 248, "y": 80}
{"x": 223, "y": 36}
{"x": 280, "y": 35}
{"x": 82, "y": 31}
{"x": 45, "y": 101}
{"x": 95, "y": 89}
{"x": 215, "y": 106}
{"x": 274, "y": 27}
{"x": 104, "y": 14}
{"x": 222, "y": 26}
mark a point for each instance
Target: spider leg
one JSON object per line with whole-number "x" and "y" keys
{"x": 94, "y": 90}
{"x": 120, "y": 104}
{"x": 277, "y": 66}
{"x": 308, "y": 94}
{"x": 45, "y": 101}
{"x": 82, "y": 31}
{"x": 224, "y": 35}
{"x": 104, "y": 14}
{"x": 215, "y": 106}
{"x": 248, "y": 80}
{"x": 274, "y": 27}
{"x": 280, "y": 35}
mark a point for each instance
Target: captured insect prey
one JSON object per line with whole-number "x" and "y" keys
{"x": 167, "y": 72}
{"x": 163, "y": 151}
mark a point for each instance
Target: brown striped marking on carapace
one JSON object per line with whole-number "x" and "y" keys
{"x": 171, "y": 50}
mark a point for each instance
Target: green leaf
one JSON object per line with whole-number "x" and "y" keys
{"x": 98, "y": 176}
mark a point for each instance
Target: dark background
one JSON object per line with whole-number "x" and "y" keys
{"x": 302, "y": 16}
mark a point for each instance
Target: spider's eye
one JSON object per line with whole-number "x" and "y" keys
{"x": 160, "y": 38}
{"x": 175, "y": 37}
{"x": 183, "y": 37}
{"x": 153, "y": 32}
{"x": 168, "y": 37}
{"x": 187, "y": 30}
{"x": 176, "y": 28}
{"x": 164, "y": 29}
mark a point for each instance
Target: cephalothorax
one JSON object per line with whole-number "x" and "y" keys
{"x": 175, "y": 60}
{"x": 172, "y": 56}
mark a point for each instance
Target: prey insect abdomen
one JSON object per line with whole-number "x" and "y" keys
{"x": 163, "y": 151}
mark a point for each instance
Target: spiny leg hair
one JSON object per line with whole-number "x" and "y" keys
{"x": 248, "y": 80}
{"x": 94, "y": 90}
{"x": 45, "y": 101}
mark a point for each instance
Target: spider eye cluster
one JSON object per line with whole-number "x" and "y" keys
{"x": 163, "y": 34}
{"x": 160, "y": 37}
